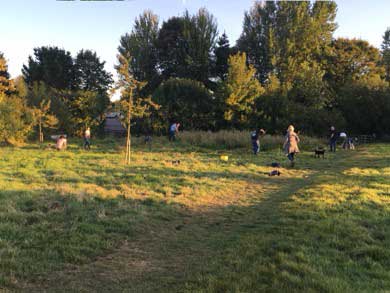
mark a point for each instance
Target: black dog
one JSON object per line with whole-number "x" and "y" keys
{"x": 274, "y": 173}
{"x": 275, "y": 165}
{"x": 318, "y": 152}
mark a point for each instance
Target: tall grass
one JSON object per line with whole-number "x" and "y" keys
{"x": 241, "y": 139}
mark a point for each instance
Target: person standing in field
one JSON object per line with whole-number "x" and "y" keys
{"x": 87, "y": 139}
{"x": 291, "y": 144}
{"x": 173, "y": 130}
{"x": 333, "y": 139}
{"x": 255, "y": 137}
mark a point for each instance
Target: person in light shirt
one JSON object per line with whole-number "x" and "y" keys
{"x": 61, "y": 143}
{"x": 87, "y": 139}
{"x": 173, "y": 130}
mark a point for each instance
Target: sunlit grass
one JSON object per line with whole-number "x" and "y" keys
{"x": 202, "y": 225}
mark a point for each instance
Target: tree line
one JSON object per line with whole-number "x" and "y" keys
{"x": 286, "y": 67}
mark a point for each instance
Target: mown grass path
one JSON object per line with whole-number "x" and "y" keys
{"x": 210, "y": 227}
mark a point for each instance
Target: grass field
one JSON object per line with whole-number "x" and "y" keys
{"x": 82, "y": 221}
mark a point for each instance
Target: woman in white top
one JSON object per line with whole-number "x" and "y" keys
{"x": 87, "y": 139}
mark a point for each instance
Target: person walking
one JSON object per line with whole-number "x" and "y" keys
{"x": 291, "y": 144}
{"x": 87, "y": 139}
{"x": 255, "y": 137}
{"x": 333, "y": 139}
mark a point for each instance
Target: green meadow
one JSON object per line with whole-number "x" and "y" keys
{"x": 83, "y": 221}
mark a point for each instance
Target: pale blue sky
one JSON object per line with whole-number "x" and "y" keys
{"x": 25, "y": 24}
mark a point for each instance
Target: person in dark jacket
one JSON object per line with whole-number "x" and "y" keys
{"x": 333, "y": 136}
{"x": 255, "y": 138}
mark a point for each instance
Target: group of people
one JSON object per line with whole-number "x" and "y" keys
{"x": 292, "y": 140}
{"x": 348, "y": 143}
{"x": 290, "y": 145}
{"x": 62, "y": 142}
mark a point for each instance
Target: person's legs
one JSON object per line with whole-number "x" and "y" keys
{"x": 256, "y": 147}
{"x": 332, "y": 146}
{"x": 87, "y": 144}
{"x": 290, "y": 156}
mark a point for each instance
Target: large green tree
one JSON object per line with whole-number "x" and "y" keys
{"x": 200, "y": 31}
{"x": 258, "y": 37}
{"x": 240, "y": 91}
{"x": 6, "y": 85}
{"x": 90, "y": 74}
{"x": 16, "y": 119}
{"x": 386, "y": 53}
{"x": 278, "y": 36}
{"x": 222, "y": 52}
{"x": 366, "y": 109}
{"x": 185, "y": 46}
{"x": 351, "y": 61}
{"x": 141, "y": 44}
{"x": 93, "y": 82}
{"x": 173, "y": 48}
{"x": 186, "y": 101}
{"x": 53, "y": 66}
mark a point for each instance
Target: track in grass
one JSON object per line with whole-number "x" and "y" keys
{"x": 82, "y": 221}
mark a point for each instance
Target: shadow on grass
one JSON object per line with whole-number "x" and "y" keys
{"x": 276, "y": 242}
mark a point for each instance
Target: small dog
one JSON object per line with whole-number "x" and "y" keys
{"x": 274, "y": 173}
{"x": 275, "y": 165}
{"x": 318, "y": 152}
{"x": 176, "y": 162}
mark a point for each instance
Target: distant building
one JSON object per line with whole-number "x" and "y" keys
{"x": 113, "y": 124}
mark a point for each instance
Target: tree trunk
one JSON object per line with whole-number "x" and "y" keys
{"x": 128, "y": 140}
{"x": 40, "y": 131}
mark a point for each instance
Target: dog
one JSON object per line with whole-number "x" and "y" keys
{"x": 318, "y": 152}
{"x": 274, "y": 173}
{"x": 275, "y": 165}
{"x": 176, "y": 162}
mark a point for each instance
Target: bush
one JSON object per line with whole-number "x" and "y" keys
{"x": 16, "y": 120}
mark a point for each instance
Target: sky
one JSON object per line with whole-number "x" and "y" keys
{"x": 98, "y": 25}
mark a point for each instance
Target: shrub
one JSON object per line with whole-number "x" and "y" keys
{"x": 16, "y": 120}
